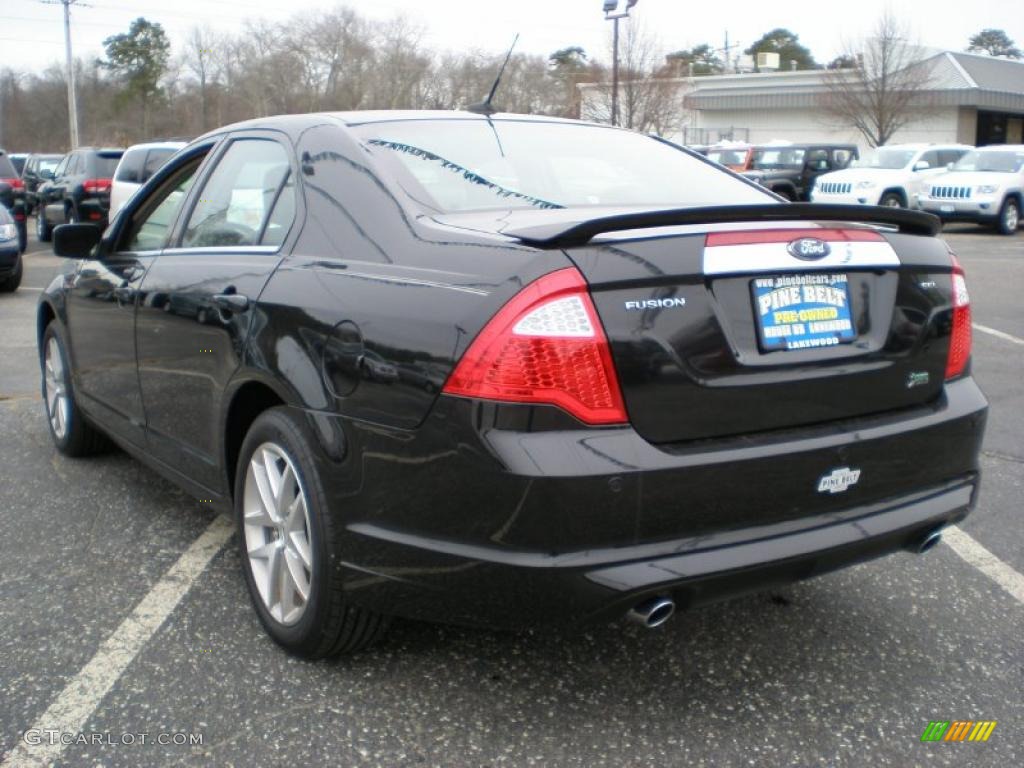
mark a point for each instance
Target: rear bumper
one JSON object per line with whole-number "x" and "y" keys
{"x": 476, "y": 519}
{"x": 496, "y": 588}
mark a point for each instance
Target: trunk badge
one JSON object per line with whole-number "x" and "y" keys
{"x": 838, "y": 480}
{"x": 809, "y": 249}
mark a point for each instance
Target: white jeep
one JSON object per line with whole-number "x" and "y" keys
{"x": 985, "y": 186}
{"x": 891, "y": 176}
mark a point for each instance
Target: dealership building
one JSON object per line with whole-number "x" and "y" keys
{"x": 970, "y": 99}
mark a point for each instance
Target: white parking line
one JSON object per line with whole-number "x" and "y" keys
{"x": 83, "y": 693}
{"x": 998, "y": 334}
{"x": 974, "y": 554}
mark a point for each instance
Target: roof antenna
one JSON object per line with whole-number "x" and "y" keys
{"x": 485, "y": 107}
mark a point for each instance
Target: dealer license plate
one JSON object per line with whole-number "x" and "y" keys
{"x": 802, "y": 311}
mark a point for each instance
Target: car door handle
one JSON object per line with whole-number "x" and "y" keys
{"x": 231, "y": 302}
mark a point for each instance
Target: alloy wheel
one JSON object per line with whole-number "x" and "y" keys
{"x": 1011, "y": 218}
{"x": 57, "y": 404}
{"x": 277, "y": 533}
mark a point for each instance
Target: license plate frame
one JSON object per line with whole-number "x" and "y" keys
{"x": 802, "y": 311}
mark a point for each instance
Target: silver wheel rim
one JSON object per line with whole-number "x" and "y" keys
{"x": 56, "y": 390}
{"x": 277, "y": 533}
{"x": 1012, "y": 218}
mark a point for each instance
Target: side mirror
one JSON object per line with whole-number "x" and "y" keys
{"x": 75, "y": 241}
{"x": 922, "y": 165}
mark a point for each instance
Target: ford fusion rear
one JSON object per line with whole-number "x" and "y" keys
{"x": 507, "y": 371}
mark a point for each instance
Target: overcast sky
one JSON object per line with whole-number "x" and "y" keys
{"x": 31, "y": 34}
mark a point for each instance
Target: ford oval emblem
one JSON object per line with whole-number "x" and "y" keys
{"x": 809, "y": 249}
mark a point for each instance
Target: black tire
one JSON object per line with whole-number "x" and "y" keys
{"x": 43, "y": 229}
{"x": 1009, "y": 217}
{"x": 80, "y": 437}
{"x": 10, "y": 283}
{"x": 328, "y": 625}
{"x": 22, "y": 236}
{"x": 892, "y": 200}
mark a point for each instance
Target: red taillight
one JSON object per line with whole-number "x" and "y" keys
{"x": 546, "y": 345}
{"x": 14, "y": 183}
{"x": 960, "y": 337}
{"x": 95, "y": 186}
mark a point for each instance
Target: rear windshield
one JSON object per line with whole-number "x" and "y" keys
{"x": 992, "y": 160}
{"x": 48, "y": 163}
{"x": 106, "y": 163}
{"x": 463, "y": 165}
{"x": 886, "y": 159}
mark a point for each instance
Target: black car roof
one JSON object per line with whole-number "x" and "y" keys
{"x": 297, "y": 122}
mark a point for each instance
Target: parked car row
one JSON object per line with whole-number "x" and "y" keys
{"x": 956, "y": 182}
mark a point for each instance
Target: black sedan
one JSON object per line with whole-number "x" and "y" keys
{"x": 509, "y": 371}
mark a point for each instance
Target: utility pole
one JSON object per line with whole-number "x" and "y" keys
{"x": 612, "y": 12}
{"x": 69, "y": 62}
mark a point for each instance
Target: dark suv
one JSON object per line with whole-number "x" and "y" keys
{"x": 789, "y": 170}
{"x": 14, "y": 196}
{"x": 38, "y": 170}
{"x": 79, "y": 191}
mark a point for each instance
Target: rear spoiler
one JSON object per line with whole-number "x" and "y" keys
{"x": 569, "y": 234}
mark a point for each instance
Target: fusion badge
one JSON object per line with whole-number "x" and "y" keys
{"x": 635, "y": 306}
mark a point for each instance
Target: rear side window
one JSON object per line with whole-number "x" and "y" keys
{"x": 6, "y": 168}
{"x": 19, "y": 164}
{"x": 154, "y": 160}
{"x": 130, "y": 169}
{"x": 843, "y": 157}
{"x": 235, "y": 204}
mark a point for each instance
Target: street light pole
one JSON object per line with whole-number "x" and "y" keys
{"x": 615, "y": 71}
{"x": 612, "y": 12}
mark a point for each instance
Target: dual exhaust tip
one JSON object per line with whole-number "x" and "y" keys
{"x": 656, "y": 611}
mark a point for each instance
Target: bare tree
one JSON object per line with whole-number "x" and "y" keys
{"x": 648, "y": 100}
{"x": 884, "y": 88}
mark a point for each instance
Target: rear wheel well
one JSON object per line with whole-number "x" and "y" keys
{"x": 248, "y": 403}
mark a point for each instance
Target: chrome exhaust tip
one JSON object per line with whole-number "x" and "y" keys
{"x": 652, "y": 613}
{"x": 927, "y": 542}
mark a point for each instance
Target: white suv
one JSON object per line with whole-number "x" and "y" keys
{"x": 137, "y": 164}
{"x": 891, "y": 176}
{"x": 986, "y": 186}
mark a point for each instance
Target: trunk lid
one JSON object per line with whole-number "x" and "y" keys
{"x": 736, "y": 328}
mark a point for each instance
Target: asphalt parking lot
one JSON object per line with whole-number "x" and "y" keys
{"x": 844, "y": 670}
